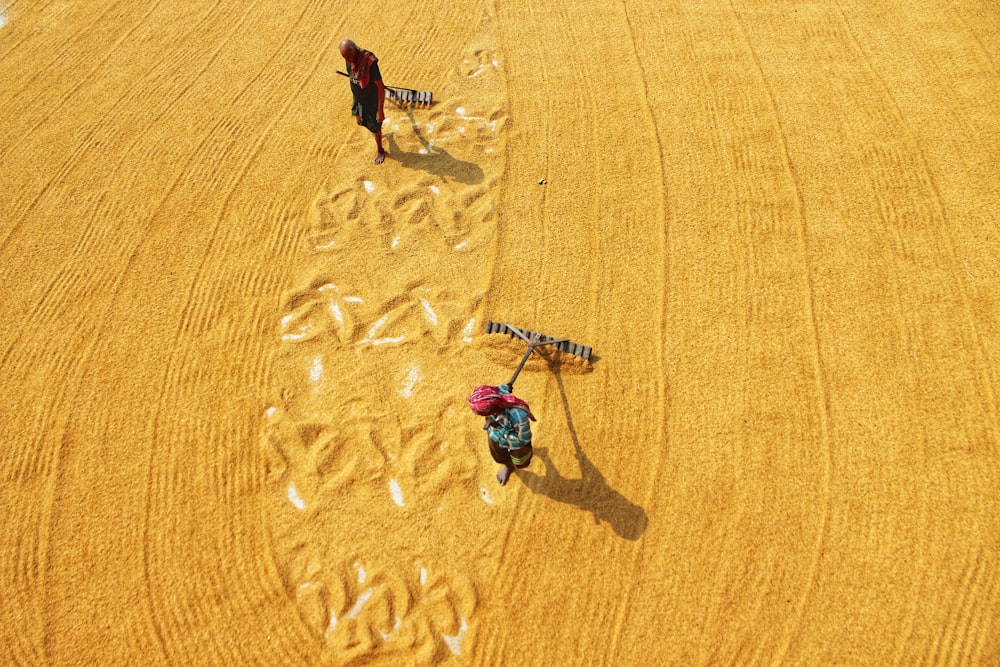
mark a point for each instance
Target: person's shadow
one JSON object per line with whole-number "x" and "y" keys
{"x": 591, "y": 492}
{"x": 434, "y": 160}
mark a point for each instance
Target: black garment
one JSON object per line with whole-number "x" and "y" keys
{"x": 502, "y": 456}
{"x": 366, "y": 99}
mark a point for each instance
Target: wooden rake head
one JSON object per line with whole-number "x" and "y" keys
{"x": 535, "y": 339}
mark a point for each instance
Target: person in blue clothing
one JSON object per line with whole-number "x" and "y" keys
{"x": 508, "y": 425}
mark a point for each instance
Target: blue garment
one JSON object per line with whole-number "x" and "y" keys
{"x": 511, "y": 427}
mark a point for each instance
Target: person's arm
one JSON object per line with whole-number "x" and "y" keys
{"x": 380, "y": 116}
{"x": 498, "y": 427}
{"x": 522, "y": 428}
{"x": 517, "y": 433}
{"x": 376, "y": 76}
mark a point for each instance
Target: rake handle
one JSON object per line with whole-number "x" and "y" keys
{"x": 383, "y": 85}
{"x": 524, "y": 359}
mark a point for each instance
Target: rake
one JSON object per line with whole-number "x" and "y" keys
{"x": 407, "y": 95}
{"x": 535, "y": 339}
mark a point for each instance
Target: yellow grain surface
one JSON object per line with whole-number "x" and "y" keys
{"x": 234, "y": 354}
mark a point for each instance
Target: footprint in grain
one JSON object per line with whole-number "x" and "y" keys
{"x": 322, "y": 309}
{"x": 384, "y": 301}
{"x": 417, "y": 613}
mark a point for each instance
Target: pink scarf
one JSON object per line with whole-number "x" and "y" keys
{"x": 487, "y": 399}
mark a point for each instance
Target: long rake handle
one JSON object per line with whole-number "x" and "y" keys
{"x": 383, "y": 85}
{"x": 531, "y": 348}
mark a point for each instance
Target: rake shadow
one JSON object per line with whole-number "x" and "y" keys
{"x": 435, "y": 160}
{"x": 591, "y": 492}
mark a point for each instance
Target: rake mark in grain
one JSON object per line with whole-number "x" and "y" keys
{"x": 822, "y": 395}
{"x": 662, "y": 395}
{"x": 69, "y": 164}
{"x": 371, "y": 446}
{"x": 51, "y": 109}
{"x": 946, "y": 643}
{"x": 938, "y": 218}
{"x": 199, "y": 311}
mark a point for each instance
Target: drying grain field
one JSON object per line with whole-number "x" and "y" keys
{"x": 234, "y": 353}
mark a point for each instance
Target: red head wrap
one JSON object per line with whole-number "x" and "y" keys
{"x": 487, "y": 399}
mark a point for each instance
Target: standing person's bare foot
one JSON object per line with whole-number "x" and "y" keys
{"x": 380, "y": 156}
{"x": 504, "y": 474}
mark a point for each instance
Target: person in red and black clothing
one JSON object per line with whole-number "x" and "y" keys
{"x": 368, "y": 91}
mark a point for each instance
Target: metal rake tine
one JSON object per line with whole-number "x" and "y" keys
{"x": 576, "y": 349}
{"x": 555, "y": 342}
{"x": 538, "y": 339}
